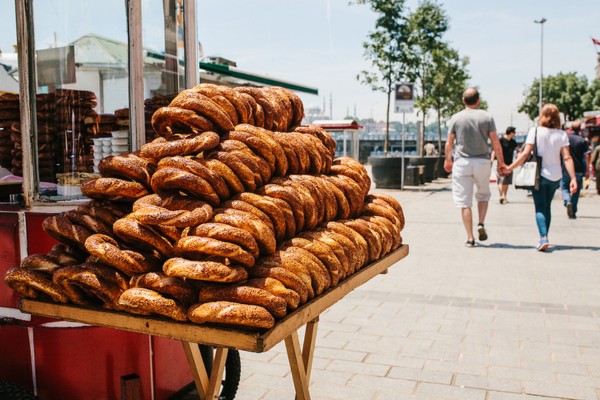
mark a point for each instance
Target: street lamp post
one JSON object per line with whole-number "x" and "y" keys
{"x": 541, "y": 22}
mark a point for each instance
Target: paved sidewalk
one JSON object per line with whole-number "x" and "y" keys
{"x": 496, "y": 322}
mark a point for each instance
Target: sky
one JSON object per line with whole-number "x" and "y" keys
{"x": 318, "y": 43}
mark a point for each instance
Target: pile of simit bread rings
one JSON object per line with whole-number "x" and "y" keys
{"x": 236, "y": 214}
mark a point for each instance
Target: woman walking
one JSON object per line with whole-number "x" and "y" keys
{"x": 552, "y": 144}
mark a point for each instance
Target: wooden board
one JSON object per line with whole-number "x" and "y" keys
{"x": 212, "y": 335}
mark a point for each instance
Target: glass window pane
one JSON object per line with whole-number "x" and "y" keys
{"x": 83, "y": 86}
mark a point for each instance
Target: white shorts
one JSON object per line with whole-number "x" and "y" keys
{"x": 465, "y": 173}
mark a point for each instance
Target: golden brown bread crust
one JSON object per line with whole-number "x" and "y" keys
{"x": 198, "y": 248}
{"x": 174, "y": 210}
{"x": 226, "y": 233}
{"x": 142, "y": 237}
{"x": 359, "y": 243}
{"x": 113, "y": 189}
{"x": 291, "y": 263}
{"x": 33, "y": 284}
{"x": 268, "y": 137}
{"x": 209, "y": 271}
{"x": 94, "y": 225}
{"x": 392, "y": 202}
{"x": 322, "y": 252}
{"x": 173, "y": 287}
{"x": 108, "y": 251}
{"x": 234, "y": 183}
{"x": 268, "y": 109}
{"x": 277, "y": 288}
{"x": 197, "y": 167}
{"x": 204, "y": 106}
{"x": 128, "y": 167}
{"x": 263, "y": 169}
{"x": 167, "y": 121}
{"x": 241, "y": 205}
{"x": 289, "y": 279}
{"x": 320, "y": 133}
{"x": 347, "y": 245}
{"x": 318, "y": 272}
{"x": 309, "y": 204}
{"x": 150, "y": 301}
{"x": 230, "y": 313}
{"x": 288, "y": 195}
{"x": 270, "y": 209}
{"x": 391, "y": 232}
{"x": 63, "y": 230}
{"x": 41, "y": 263}
{"x": 264, "y": 236}
{"x": 243, "y": 172}
{"x": 168, "y": 180}
{"x": 335, "y": 247}
{"x": 244, "y": 294}
{"x": 174, "y": 146}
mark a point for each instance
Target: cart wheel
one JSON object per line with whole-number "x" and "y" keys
{"x": 11, "y": 391}
{"x": 231, "y": 375}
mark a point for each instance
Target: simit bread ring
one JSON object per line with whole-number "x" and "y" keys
{"x": 289, "y": 279}
{"x": 245, "y": 174}
{"x": 40, "y": 263}
{"x": 101, "y": 211}
{"x": 318, "y": 193}
{"x": 371, "y": 236}
{"x": 235, "y": 146}
{"x": 290, "y": 154}
{"x": 256, "y": 116}
{"x": 288, "y": 195}
{"x": 204, "y": 106}
{"x": 142, "y": 237}
{"x": 320, "y": 133}
{"x": 167, "y": 180}
{"x": 204, "y": 270}
{"x": 108, "y": 251}
{"x": 312, "y": 207}
{"x": 351, "y": 192}
{"x": 63, "y": 230}
{"x": 144, "y": 301}
{"x": 335, "y": 247}
{"x": 196, "y": 166}
{"x": 242, "y": 205}
{"x": 229, "y": 313}
{"x": 384, "y": 235}
{"x": 89, "y": 222}
{"x": 378, "y": 198}
{"x": 113, "y": 189}
{"x": 263, "y": 102}
{"x": 353, "y": 256}
{"x": 244, "y": 294}
{"x": 277, "y": 288}
{"x": 360, "y": 246}
{"x": 292, "y": 264}
{"x": 242, "y": 108}
{"x": 270, "y": 209}
{"x": 33, "y": 284}
{"x": 268, "y": 137}
{"x": 127, "y": 166}
{"x": 167, "y": 121}
{"x": 231, "y": 179}
{"x": 298, "y": 146}
{"x": 192, "y": 144}
{"x": 319, "y": 275}
{"x": 173, "y": 287}
{"x": 389, "y": 227}
{"x": 175, "y": 210}
{"x": 197, "y": 247}
{"x": 322, "y": 252}
{"x": 285, "y": 102}
{"x": 264, "y": 236}
{"x": 226, "y": 233}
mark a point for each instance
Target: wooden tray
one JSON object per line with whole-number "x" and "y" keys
{"x": 216, "y": 336}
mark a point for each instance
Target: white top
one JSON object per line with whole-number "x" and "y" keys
{"x": 549, "y": 143}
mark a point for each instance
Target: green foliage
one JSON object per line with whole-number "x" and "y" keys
{"x": 568, "y": 91}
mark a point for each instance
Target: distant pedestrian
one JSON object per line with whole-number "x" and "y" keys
{"x": 471, "y": 128}
{"x": 579, "y": 149}
{"x": 552, "y": 143}
{"x": 430, "y": 149}
{"x": 509, "y": 145}
{"x": 595, "y": 161}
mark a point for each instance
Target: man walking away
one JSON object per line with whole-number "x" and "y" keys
{"x": 580, "y": 150}
{"x": 471, "y": 128}
{"x": 509, "y": 145}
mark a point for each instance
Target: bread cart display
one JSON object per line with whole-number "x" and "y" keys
{"x": 234, "y": 217}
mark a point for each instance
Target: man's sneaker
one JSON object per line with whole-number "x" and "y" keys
{"x": 470, "y": 243}
{"x": 570, "y": 211}
{"x": 482, "y": 233}
{"x": 542, "y": 245}
{"x": 502, "y": 200}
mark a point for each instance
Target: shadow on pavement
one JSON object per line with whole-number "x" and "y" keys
{"x": 504, "y": 246}
{"x": 561, "y": 247}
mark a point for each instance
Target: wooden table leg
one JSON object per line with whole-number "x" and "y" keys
{"x": 192, "y": 353}
{"x": 216, "y": 375}
{"x": 301, "y": 362}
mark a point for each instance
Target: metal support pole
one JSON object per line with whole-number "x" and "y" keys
{"x": 136, "y": 75}
{"x": 541, "y": 22}
{"x": 403, "y": 156}
{"x": 190, "y": 43}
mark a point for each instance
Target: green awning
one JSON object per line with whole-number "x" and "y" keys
{"x": 226, "y": 70}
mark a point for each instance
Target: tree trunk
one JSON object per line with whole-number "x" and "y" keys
{"x": 439, "y": 124}
{"x": 386, "y": 143}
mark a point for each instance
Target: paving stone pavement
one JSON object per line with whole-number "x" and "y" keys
{"x": 500, "y": 321}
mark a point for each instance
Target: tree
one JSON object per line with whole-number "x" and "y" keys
{"x": 427, "y": 25}
{"x": 567, "y": 90}
{"x": 388, "y": 50}
{"x": 448, "y": 78}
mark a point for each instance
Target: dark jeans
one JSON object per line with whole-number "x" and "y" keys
{"x": 564, "y": 187}
{"x": 542, "y": 199}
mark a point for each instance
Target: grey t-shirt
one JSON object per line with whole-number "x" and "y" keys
{"x": 472, "y": 128}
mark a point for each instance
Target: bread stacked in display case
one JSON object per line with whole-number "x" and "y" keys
{"x": 236, "y": 214}
{"x": 9, "y": 115}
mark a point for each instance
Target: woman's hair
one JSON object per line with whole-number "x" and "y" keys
{"x": 550, "y": 116}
